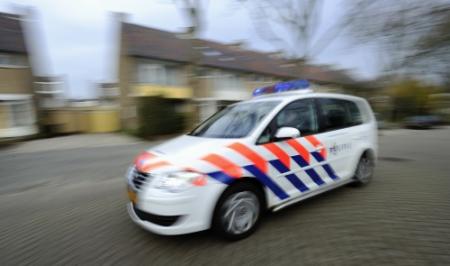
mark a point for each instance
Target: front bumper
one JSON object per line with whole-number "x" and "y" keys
{"x": 175, "y": 213}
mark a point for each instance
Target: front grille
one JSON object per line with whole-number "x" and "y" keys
{"x": 139, "y": 178}
{"x": 156, "y": 219}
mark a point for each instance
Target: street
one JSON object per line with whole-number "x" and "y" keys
{"x": 66, "y": 206}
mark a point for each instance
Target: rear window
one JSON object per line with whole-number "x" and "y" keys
{"x": 355, "y": 117}
{"x": 338, "y": 113}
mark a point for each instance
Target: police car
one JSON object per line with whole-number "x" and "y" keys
{"x": 284, "y": 145}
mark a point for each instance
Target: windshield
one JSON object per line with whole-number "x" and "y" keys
{"x": 235, "y": 121}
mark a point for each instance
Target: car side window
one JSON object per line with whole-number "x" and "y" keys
{"x": 334, "y": 114}
{"x": 300, "y": 114}
{"x": 338, "y": 113}
{"x": 354, "y": 113}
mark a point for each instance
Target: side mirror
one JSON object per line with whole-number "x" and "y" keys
{"x": 287, "y": 133}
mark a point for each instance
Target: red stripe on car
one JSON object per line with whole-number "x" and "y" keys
{"x": 224, "y": 164}
{"x": 316, "y": 143}
{"x": 279, "y": 153}
{"x": 299, "y": 148}
{"x": 254, "y": 157}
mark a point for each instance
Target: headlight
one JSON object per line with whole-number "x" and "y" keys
{"x": 129, "y": 173}
{"x": 179, "y": 181}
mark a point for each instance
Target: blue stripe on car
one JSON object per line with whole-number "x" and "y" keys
{"x": 277, "y": 190}
{"x": 326, "y": 167}
{"x": 221, "y": 177}
{"x": 312, "y": 174}
{"x": 291, "y": 177}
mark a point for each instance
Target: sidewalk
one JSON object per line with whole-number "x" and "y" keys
{"x": 71, "y": 142}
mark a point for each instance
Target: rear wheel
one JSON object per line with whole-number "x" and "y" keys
{"x": 364, "y": 170}
{"x": 238, "y": 211}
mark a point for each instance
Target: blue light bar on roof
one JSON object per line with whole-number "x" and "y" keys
{"x": 293, "y": 85}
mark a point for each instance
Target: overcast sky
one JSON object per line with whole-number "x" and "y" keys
{"x": 77, "y": 39}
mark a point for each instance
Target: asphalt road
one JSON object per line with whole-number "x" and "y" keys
{"x": 67, "y": 207}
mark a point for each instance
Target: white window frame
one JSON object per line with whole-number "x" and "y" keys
{"x": 158, "y": 73}
{"x": 11, "y": 60}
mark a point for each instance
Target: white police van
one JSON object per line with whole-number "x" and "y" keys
{"x": 284, "y": 145}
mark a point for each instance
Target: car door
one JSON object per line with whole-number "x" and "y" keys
{"x": 336, "y": 134}
{"x": 296, "y": 169}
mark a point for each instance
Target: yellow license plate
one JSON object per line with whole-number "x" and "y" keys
{"x": 132, "y": 195}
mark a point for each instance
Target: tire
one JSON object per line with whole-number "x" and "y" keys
{"x": 364, "y": 170}
{"x": 238, "y": 211}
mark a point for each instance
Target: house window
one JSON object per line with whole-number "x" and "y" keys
{"x": 4, "y": 59}
{"x": 228, "y": 82}
{"x": 160, "y": 74}
{"x": 12, "y": 60}
{"x": 173, "y": 76}
{"x": 150, "y": 73}
{"x": 256, "y": 77}
{"x": 21, "y": 114}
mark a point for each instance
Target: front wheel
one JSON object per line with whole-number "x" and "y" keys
{"x": 238, "y": 212}
{"x": 364, "y": 170}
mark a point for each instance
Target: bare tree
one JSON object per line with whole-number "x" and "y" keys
{"x": 193, "y": 11}
{"x": 402, "y": 30}
{"x": 300, "y": 22}
{"x": 432, "y": 51}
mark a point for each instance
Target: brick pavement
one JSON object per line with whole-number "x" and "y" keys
{"x": 401, "y": 218}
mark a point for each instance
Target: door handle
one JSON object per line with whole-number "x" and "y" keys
{"x": 359, "y": 137}
{"x": 339, "y": 134}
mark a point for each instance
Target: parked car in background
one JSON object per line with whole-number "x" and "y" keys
{"x": 422, "y": 121}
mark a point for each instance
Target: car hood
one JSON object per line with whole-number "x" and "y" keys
{"x": 184, "y": 152}
{"x": 190, "y": 146}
